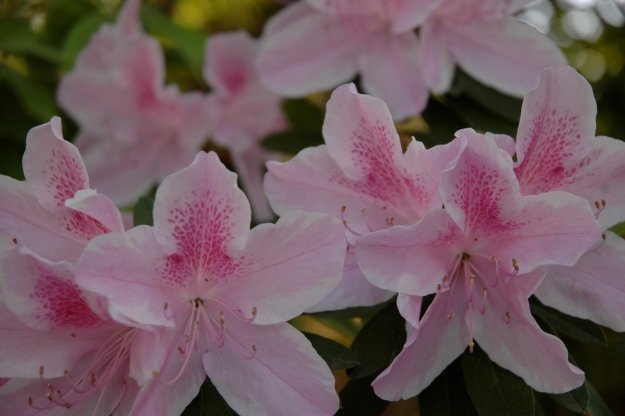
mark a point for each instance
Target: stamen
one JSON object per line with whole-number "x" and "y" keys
{"x": 390, "y": 221}
{"x": 450, "y": 316}
{"x": 507, "y": 317}
{"x": 515, "y": 265}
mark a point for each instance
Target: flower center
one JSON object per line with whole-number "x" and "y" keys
{"x": 476, "y": 276}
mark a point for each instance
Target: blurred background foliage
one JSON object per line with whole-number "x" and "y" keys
{"x": 40, "y": 39}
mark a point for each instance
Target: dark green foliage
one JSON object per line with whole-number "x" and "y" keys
{"x": 446, "y": 395}
{"x": 378, "y": 342}
{"x": 208, "y": 403}
{"x": 564, "y": 325}
{"x": 337, "y": 356}
{"x": 142, "y": 214}
{"x": 358, "y": 398}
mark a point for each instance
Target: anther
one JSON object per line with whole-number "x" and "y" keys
{"x": 254, "y": 312}
{"x": 515, "y": 265}
{"x": 450, "y": 316}
{"x": 507, "y": 317}
{"x": 66, "y": 374}
{"x": 14, "y": 240}
{"x": 471, "y": 345}
{"x": 364, "y": 212}
{"x": 390, "y": 221}
{"x": 222, "y": 320}
{"x": 40, "y": 371}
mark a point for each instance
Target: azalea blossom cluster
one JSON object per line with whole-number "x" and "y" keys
{"x": 102, "y": 316}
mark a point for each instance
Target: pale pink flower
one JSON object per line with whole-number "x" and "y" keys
{"x": 62, "y": 351}
{"x": 219, "y": 295}
{"x": 133, "y": 130}
{"x": 315, "y": 45}
{"x": 360, "y": 176}
{"x": 487, "y": 42}
{"x": 481, "y": 255}
{"x": 54, "y": 212}
{"x": 242, "y": 111}
{"x": 556, "y": 150}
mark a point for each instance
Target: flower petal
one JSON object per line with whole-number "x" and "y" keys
{"x": 410, "y": 259}
{"x": 592, "y": 289}
{"x": 503, "y": 53}
{"x": 288, "y": 266}
{"x": 52, "y": 166}
{"x": 353, "y": 290}
{"x": 202, "y": 211}
{"x": 556, "y": 129}
{"x": 98, "y": 207}
{"x": 230, "y": 61}
{"x": 131, "y": 270}
{"x": 410, "y": 14}
{"x": 250, "y": 166}
{"x": 441, "y": 337}
{"x": 305, "y": 51}
{"x": 270, "y": 370}
{"x": 390, "y": 70}
{"x": 510, "y": 336}
{"x": 25, "y": 222}
{"x": 437, "y": 64}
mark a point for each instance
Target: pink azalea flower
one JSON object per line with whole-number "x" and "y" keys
{"x": 556, "y": 150}
{"x": 486, "y": 41}
{"x": 315, "y": 45}
{"x": 242, "y": 111}
{"x": 134, "y": 130}
{"x": 63, "y": 353}
{"x": 219, "y": 295}
{"x": 360, "y": 176}
{"x": 54, "y": 212}
{"x": 480, "y": 256}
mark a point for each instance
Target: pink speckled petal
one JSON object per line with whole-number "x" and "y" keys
{"x": 551, "y": 228}
{"x": 510, "y": 336}
{"x": 98, "y": 207}
{"x": 480, "y": 185}
{"x": 482, "y": 195}
{"x": 600, "y": 176}
{"x": 131, "y": 270}
{"x": 556, "y": 129}
{"x": 203, "y": 212}
{"x": 592, "y": 289}
{"x": 503, "y": 53}
{"x": 52, "y": 166}
{"x": 361, "y": 136}
{"x": 312, "y": 181}
{"x": 288, "y": 266}
{"x": 437, "y": 64}
{"x": 230, "y": 61}
{"x": 441, "y": 337}
{"x": 270, "y": 370}
{"x": 303, "y": 51}
{"x": 410, "y": 259}
{"x": 353, "y": 290}
{"x": 23, "y": 221}
{"x": 43, "y": 294}
{"x": 390, "y": 70}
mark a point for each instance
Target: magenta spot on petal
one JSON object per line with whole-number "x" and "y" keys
{"x": 65, "y": 177}
{"x": 62, "y": 303}
{"x": 202, "y": 227}
{"x": 83, "y": 225}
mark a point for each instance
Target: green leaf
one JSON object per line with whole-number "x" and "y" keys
{"x": 142, "y": 214}
{"x": 446, "y": 395}
{"x": 358, "y": 398}
{"x": 303, "y": 115}
{"x": 479, "y": 118}
{"x": 597, "y": 406}
{"x": 34, "y": 97}
{"x": 292, "y": 141}
{"x": 79, "y": 35}
{"x": 17, "y": 38}
{"x": 306, "y": 120}
{"x": 576, "y": 400}
{"x": 497, "y": 103}
{"x": 493, "y": 390}
{"x": 619, "y": 229}
{"x": 334, "y": 354}
{"x": 578, "y": 329}
{"x": 188, "y": 43}
{"x": 442, "y": 122}
{"x": 208, "y": 403}
{"x": 379, "y": 341}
